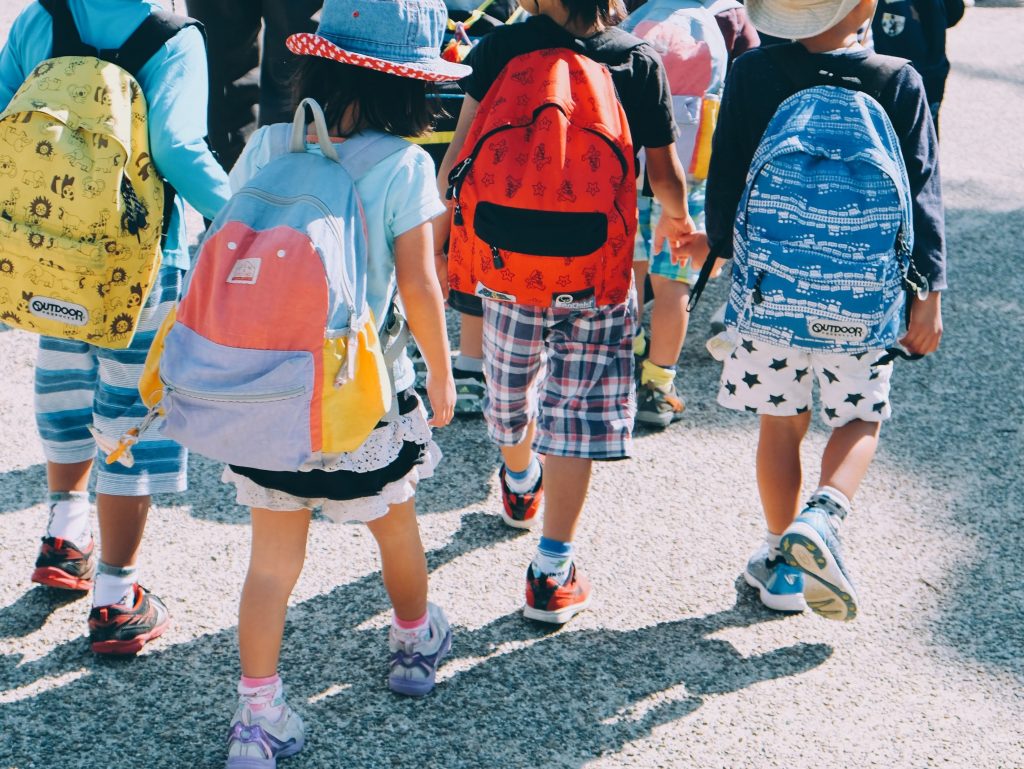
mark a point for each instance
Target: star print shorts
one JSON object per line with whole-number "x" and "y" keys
{"x": 778, "y": 381}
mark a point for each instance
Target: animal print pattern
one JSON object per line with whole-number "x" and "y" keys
{"x": 81, "y": 204}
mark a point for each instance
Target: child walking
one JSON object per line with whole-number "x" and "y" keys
{"x": 80, "y": 387}
{"x": 368, "y": 66}
{"x": 559, "y": 378}
{"x": 775, "y": 354}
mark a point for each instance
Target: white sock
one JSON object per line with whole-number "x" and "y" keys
{"x": 114, "y": 585}
{"x": 773, "y": 540}
{"x": 69, "y": 517}
{"x": 836, "y": 504}
{"x": 520, "y": 483}
{"x": 465, "y": 362}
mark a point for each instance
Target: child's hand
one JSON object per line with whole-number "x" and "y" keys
{"x": 441, "y": 396}
{"x": 924, "y": 331}
{"x": 695, "y": 248}
{"x": 673, "y": 231}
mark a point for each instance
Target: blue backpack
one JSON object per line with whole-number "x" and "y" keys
{"x": 823, "y": 235}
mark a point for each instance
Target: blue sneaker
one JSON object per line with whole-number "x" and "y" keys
{"x": 414, "y": 666}
{"x": 811, "y": 544}
{"x": 780, "y": 585}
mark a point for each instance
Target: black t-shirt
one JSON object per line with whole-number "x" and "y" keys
{"x": 635, "y": 67}
{"x": 755, "y": 88}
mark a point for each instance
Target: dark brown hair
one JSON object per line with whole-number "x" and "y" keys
{"x": 608, "y": 12}
{"x": 398, "y": 105}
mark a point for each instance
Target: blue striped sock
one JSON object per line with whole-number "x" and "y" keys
{"x": 553, "y": 559}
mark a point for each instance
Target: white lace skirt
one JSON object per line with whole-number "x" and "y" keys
{"x": 383, "y": 471}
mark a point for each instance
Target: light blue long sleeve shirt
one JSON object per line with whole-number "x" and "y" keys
{"x": 174, "y": 82}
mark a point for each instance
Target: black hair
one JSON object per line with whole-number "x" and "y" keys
{"x": 397, "y": 105}
{"x": 608, "y": 12}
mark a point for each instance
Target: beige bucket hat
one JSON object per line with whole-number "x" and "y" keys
{"x": 797, "y": 19}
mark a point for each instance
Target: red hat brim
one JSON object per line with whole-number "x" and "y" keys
{"x": 309, "y": 44}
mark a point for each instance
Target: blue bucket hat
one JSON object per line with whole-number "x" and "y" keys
{"x": 400, "y": 37}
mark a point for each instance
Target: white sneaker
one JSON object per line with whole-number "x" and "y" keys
{"x": 257, "y": 743}
{"x": 414, "y": 666}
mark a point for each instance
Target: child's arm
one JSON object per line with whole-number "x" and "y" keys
{"x": 443, "y": 223}
{"x": 424, "y": 310}
{"x": 668, "y": 182}
{"x": 13, "y": 57}
{"x": 177, "y": 95}
{"x": 924, "y": 331}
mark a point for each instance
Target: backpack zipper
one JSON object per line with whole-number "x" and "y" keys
{"x": 329, "y": 217}
{"x": 206, "y": 395}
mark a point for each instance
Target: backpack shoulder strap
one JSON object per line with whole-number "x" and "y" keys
{"x": 154, "y": 31}
{"x": 66, "y": 40}
{"x": 362, "y": 152}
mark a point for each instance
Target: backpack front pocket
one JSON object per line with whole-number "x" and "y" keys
{"x": 244, "y": 407}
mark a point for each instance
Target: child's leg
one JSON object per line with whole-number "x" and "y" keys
{"x": 420, "y": 635}
{"x": 471, "y": 335}
{"x": 403, "y": 563}
{"x": 848, "y": 456}
{"x": 565, "y": 484}
{"x": 669, "y": 320}
{"x": 779, "y": 474}
{"x": 275, "y": 563}
{"x": 468, "y": 368}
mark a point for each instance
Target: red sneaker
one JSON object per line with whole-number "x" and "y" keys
{"x": 121, "y": 629}
{"x": 65, "y": 565}
{"x": 547, "y": 601}
{"x": 520, "y": 509}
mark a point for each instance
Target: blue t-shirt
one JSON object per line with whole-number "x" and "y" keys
{"x": 174, "y": 82}
{"x": 397, "y": 194}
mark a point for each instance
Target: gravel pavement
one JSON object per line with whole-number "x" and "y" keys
{"x": 676, "y": 664}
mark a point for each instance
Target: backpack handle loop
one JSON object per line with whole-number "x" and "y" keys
{"x": 298, "y": 142}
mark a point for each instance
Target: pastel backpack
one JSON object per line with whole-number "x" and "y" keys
{"x": 82, "y": 208}
{"x": 692, "y": 48}
{"x": 545, "y": 189}
{"x": 273, "y": 358}
{"x": 824, "y": 232}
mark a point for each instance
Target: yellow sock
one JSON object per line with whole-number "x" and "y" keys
{"x": 662, "y": 378}
{"x": 640, "y": 343}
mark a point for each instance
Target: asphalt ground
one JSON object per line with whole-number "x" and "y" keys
{"x": 676, "y": 664}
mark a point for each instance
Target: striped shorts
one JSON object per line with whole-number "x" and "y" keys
{"x": 571, "y": 369}
{"x": 78, "y": 385}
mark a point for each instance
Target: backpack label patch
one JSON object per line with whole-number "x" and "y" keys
{"x": 489, "y": 293}
{"x": 844, "y": 331}
{"x": 574, "y": 300}
{"x": 245, "y": 271}
{"x": 59, "y": 310}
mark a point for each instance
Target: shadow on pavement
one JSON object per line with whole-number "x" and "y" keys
{"x": 20, "y": 489}
{"x": 529, "y": 689}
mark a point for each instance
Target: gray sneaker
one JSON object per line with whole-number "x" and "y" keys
{"x": 414, "y": 666}
{"x": 256, "y": 743}
{"x": 657, "y": 407}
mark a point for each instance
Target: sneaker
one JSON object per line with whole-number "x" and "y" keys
{"x": 469, "y": 391}
{"x": 65, "y": 565}
{"x": 658, "y": 408}
{"x": 520, "y": 510}
{"x": 414, "y": 666}
{"x": 257, "y": 743}
{"x": 718, "y": 319}
{"x": 418, "y": 365}
{"x": 548, "y": 601}
{"x": 780, "y": 585}
{"x": 122, "y": 629}
{"x": 811, "y": 545}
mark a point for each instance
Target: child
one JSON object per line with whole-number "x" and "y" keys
{"x": 916, "y": 30}
{"x": 560, "y": 380}
{"x": 367, "y": 65}
{"x": 79, "y": 386}
{"x": 774, "y": 381}
{"x": 732, "y": 34}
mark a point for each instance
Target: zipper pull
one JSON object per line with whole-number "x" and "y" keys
{"x": 457, "y": 215}
{"x": 758, "y": 296}
{"x": 499, "y": 263}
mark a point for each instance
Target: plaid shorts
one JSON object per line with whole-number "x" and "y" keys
{"x": 78, "y": 385}
{"x": 571, "y": 369}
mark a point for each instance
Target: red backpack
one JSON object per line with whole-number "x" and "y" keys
{"x": 545, "y": 189}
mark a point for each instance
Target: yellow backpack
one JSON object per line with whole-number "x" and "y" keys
{"x": 82, "y": 208}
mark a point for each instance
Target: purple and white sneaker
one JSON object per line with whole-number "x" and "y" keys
{"x": 256, "y": 743}
{"x": 414, "y": 665}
